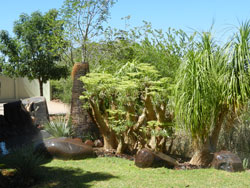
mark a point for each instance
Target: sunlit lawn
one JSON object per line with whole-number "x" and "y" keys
{"x": 115, "y": 173}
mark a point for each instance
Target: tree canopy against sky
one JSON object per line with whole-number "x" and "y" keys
{"x": 85, "y": 20}
{"x": 36, "y": 48}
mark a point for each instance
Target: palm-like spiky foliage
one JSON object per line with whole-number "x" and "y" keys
{"x": 199, "y": 88}
{"x": 213, "y": 84}
{"x": 237, "y": 91}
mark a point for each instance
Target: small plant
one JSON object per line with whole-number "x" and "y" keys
{"x": 26, "y": 163}
{"x": 61, "y": 89}
{"x": 245, "y": 163}
{"x": 60, "y": 127}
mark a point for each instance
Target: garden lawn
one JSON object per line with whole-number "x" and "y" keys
{"x": 120, "y": 173}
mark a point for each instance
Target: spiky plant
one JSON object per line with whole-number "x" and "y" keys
{"x": 26, "y": 163}
{"x": 213, "y": 85}
{"x": 60, "y": 127}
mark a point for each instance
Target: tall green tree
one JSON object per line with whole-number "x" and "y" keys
{"x": 36, "y": 48}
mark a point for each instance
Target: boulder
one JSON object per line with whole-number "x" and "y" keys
{"x": 5, "y": 130}
{"x": 37, "y": 109}
{"x": 66, "y": 148}
{"x": 16, "y": 122}
{"x": 45, "y": 134}
{"x": 228, "y": 161}
{"x": 98, "y": 143}
{"x": 17, "y": 116}
{"x": 89, "y": 142}
{"x": 144, "y": 158}
{"x": 78, "y": 139}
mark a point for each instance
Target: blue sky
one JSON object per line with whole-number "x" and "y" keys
{"x": 179, "y": 14}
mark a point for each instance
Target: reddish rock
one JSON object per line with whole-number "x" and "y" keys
{"x": 78, "y": 140}
{"x": 67, "y": 148}
{"x": 98, "y": 143}
{"x": 228, "y": 161}
{"x": 89, "y": 142}
{"x": 144, "y": 158}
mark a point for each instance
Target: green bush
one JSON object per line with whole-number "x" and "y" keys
{"x": 26, "y": 163}
{"x": 62, "y": 89}
{"x": 59, "y": 127}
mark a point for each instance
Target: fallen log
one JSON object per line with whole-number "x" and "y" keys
{"x": 166, "y": 158}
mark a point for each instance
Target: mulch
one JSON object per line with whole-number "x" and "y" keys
{"x": 183, "y": 164}
{"x": 101, "y": 152}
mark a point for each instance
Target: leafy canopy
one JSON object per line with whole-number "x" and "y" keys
{"x": 84, "y": 19}
{"x": 36, "y": 47}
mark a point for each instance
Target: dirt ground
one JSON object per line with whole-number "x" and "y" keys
{"x": 56, "y": 107}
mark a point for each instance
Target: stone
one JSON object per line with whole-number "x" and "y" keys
{"x": 17, "y": 121}
{"x": 144, "y": 158}
{"x": 37, "y": 109}
{"x": 17, "y": 116}
{"x": 89, "y": 142}
{"x": 66, "y": 148}
{"x": 78, "y": 140}
{"x": 5, "y": 130}
{"x": 98, "y": 143}
{"x": 228, "y": 161}
{"x": 45, "y": 134}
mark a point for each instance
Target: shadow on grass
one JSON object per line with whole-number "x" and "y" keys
{"x": 69, "y": 178}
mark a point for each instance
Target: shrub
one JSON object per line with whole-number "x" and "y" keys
{"x": 130, "y": 107}
{"x": 61, "y": 89}
{"x": 26, "y": 163}
{"x": 59, "y": 127}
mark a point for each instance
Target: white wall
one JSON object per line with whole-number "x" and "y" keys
{"x": 21, "y": 88}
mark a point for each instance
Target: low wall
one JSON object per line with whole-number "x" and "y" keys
{"x": 21, "y": 88}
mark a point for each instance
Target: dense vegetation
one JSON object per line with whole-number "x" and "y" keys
{"x": 144, "y": 84}
{"x": 194, "y": 83}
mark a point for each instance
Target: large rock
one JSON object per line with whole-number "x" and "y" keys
{"x": 38, "y": 109}
{"x": 144, "y": 158}
{"x": 17, "y": 116}
{"x": 16, "y": 121}
{"x": 5, "y": 130}
{"x": 67, "y": 148}
{"x": 226, "y": 160}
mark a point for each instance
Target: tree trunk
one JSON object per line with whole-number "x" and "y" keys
{"x": 40, "y": 86}
{"x": 121, "y": 145}
{"x": 203, "y": 155}
{"x": 108, "y": 134}
{"x": 151, "y": 115}
{"x": 81, "y": 118}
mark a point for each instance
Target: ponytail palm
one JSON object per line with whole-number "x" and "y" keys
{"x": 199, "y": 91}
{"x": 237, "y": 92}
{"x": 212, "y": 85}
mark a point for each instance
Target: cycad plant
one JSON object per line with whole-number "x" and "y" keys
{"x": 212, "y": 86}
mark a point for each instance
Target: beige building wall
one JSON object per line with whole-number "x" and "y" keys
{"x": 21, "y": 88}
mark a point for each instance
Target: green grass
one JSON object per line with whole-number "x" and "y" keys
{"x": 120, "y": 173}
